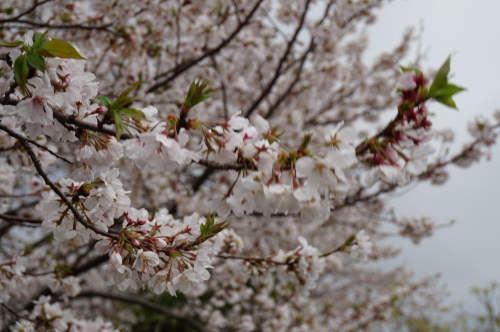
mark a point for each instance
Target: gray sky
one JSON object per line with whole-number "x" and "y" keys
{"x": 467, "y": 253}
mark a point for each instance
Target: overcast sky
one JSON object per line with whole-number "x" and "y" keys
{"x": 467, "y": 253}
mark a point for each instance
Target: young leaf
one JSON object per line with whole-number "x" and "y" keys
{"x": 21, "y": 70}
{"x": 16, "y": 43}
{"x": 210, "y": 228}
{"x": 39, "y": 40}
{"x": 447, "y": 90}
{"x": 120, "y": 129}
{"x": 441, "y": 78}
{"x": 407, "y": 69}
{"x": 133, "y": 113}
{"x": 446, "y": 100}
{"x": 123, "y": 98}
{"x": 36, "y": 61}
{"x": 198, "y": 92}
{"x": 62, "y": 49}
{"x": 441, "y": 90}
{"x": 104, "y": 101}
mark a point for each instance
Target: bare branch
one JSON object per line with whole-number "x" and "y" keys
{"x": 26, "y": 12}
{"x": 287, "y": 92}
{"x": 278, "y": 71}
{"x": 79, "y": 26}
{"x": 176, "y": 71}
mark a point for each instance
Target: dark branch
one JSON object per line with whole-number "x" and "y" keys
{"x": 26, "y": 12}
{"x": 146, "y": 304}
{"x": 278, "y": 71}
{"x": 80, "y": 26}
{"x": 38, "y": 166}
{"x": 281, "y": 98}
{"x": 176, "y": 71}
{"x": 49, "y": 151}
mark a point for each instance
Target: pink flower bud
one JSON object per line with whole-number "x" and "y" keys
{"x": 407, "y": 81}
{"x": 160, "y": 243}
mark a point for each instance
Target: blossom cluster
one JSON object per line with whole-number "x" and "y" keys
{"x": 274, "y": 188}
{"x": 162, "y": 253}
{"x": 126, "y": 120}
{"x": 100, "y": 202}
{"x": 47, "y": 316}
{"x": 404, "y": 150}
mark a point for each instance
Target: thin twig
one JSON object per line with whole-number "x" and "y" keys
{"x": 176, "y": 71}
{"x": 49, "y": 151}
{"x": 281, "y": 98}
{"x": 12, "y": 311}
{"x": 26, "y": 12}
{"x": 278, "y": 70}
{"x": 38, "y": 166}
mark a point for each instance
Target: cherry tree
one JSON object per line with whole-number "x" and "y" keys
{"x": 220, "y": 163}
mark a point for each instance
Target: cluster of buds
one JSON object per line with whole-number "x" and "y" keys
{"x": 160, "y": 252}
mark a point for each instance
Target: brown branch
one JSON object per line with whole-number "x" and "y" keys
{"x": 364, "y": 146}
{"x": 90, "y": 264}
{"x": 71, "y": 119}
{"x": 281, "y": 98}
{"x": 75, "y": 271}
{"x": 20, "y": 196}
{"x": 252, "y": 259}
{"x": 326, "y": 12}
{"x": 350, "y": 201}
{"x": 38, "y": 166}
{"x": 6, "y": 97}
{"x": 6, "y": 57}
{"x": 146, "y": 304}
{"x": 13, "y": 312}
{"x": 278, "y": 70}
{"x": 79, "y": 26}
{"x": 273, "y": 262}
{"x": 185, "y": 65}
{"x": 49, "y": 151}
{"x": 26, "y": 12}
{"x": 11, "y": 218}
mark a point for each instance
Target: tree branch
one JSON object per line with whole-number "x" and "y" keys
{"x": 26, "y": 12}
{"x": 281, "y": 98}
{"x": 49, "y": 151}
{"x": 185, "y": 65}
{"x": 146, "y": 304}
{"x": 75, "y": 271}
{"x": 278, "y": 71}
{"x": 38, "y": 166}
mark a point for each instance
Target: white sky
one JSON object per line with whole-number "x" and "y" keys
{"x": 467, "y": 253}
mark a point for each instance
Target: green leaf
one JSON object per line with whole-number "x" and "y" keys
{"x": 210, "y": 228}
{"x": 133, "y": 113}
{"x": 441, "y": 90}
{"x": 447, "y": 90}
{"x": 43, "y": 53}
{"x": 441, "y": 78}
{"x": 407, "y": 69}
{"x": 446, "y": 100}
{"x": 104, "y": 101}
{"x": 36, "y": 61}
{"x": 198, "y": 92}
{"x": 62, "y": 49}
{"x": 123, "y": 98}
{"x": 16, "y": 43}
{"x": 39, "y": 40}
{"x": 21, "y": 70}
{"x": 120, "y": 129}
